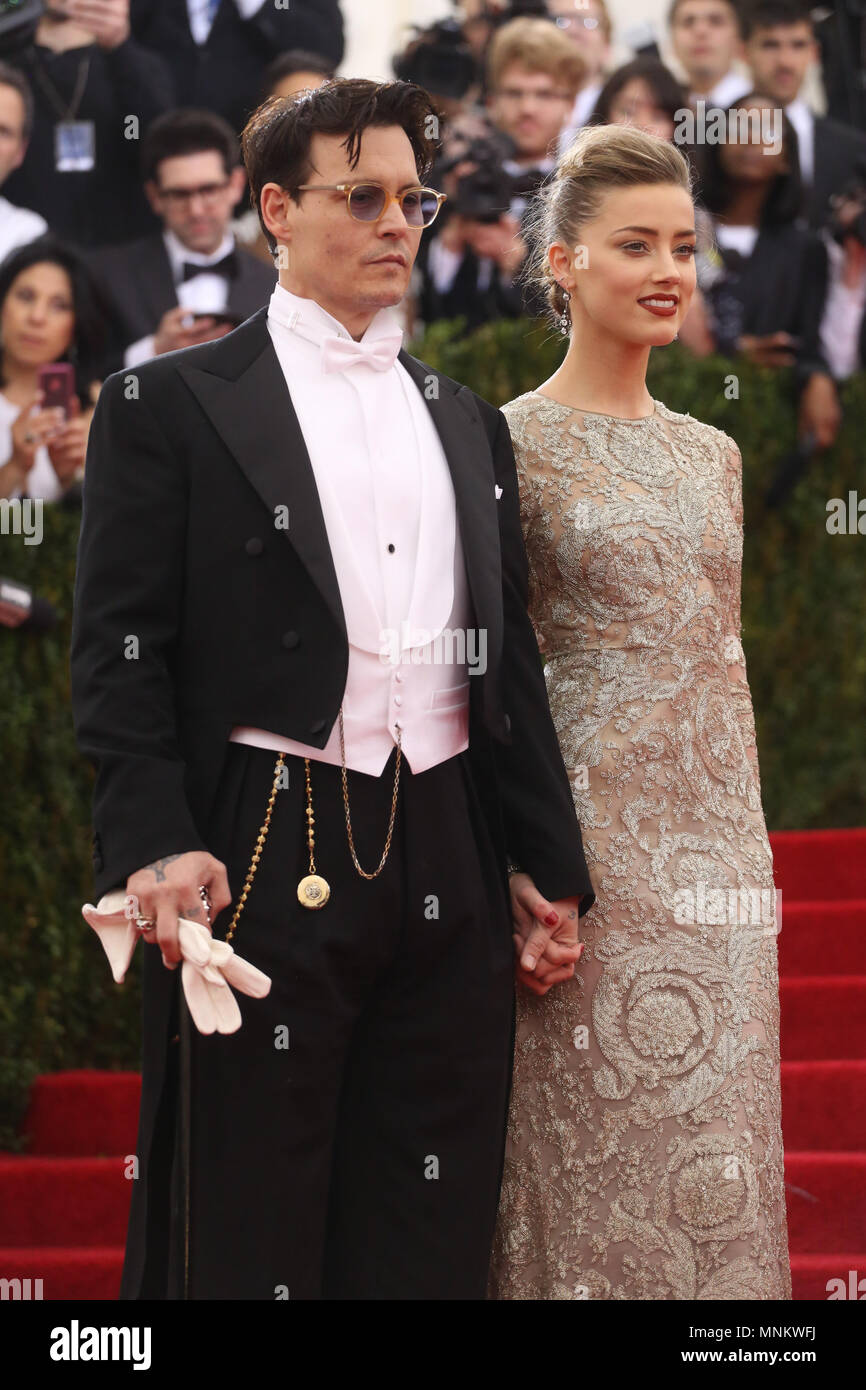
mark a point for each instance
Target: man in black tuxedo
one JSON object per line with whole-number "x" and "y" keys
{"x": 218, "y": 61}
{"x": 191, "y": 282}
{"x": 253, "y": 537}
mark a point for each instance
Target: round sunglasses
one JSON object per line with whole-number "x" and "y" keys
{"x": 368, "y": 202}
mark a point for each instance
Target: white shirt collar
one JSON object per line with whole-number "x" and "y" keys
{"x": 290, "y": 310}
{"x": 516, "y": 167}
{"x": 178, "y": 253}
{"x": 799, "y": 112}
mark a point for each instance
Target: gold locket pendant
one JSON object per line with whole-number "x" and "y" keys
{"x": 313, "y": 891}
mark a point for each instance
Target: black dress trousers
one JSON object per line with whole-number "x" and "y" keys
{"x": 347, "y": 1142}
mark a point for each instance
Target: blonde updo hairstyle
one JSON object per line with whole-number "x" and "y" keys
{"x": 601, "y": 158}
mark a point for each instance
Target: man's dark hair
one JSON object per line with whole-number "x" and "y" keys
{"x": 296, "y": 60}
{"x": 773, "y": 14}
{"x": 14, "y": 77}
{"x": 277, "y": 137}
{"x": 187, "y": 131}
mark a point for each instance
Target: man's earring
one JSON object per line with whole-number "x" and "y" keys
{"x": 565, "y": 316}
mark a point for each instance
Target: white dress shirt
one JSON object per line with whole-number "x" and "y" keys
{"x": 727, "y": 90}
{"x": 204, "y": 294}
{"x": 388, "y": 504}
{"x": 737, "y": 237}
{"x": 843, "y": 315}
{"x": 42, "y": 482}
{"x": 802, "y": 118}
{"x": 18, "y": 226}
{"x": 584, "y": 105}
{"x": 202, "y": 14}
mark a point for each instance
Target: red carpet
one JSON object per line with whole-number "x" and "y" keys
{"x": 64, "y": 1205}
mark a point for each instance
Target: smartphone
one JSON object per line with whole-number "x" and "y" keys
{"x": 219, "y": 316}
{"x": 57, "y": 381}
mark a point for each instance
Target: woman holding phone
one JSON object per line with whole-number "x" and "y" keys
{"x": 51, "y": 317}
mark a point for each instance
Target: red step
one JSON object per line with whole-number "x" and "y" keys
{"x": 824, "y": 1105}
{"x": 826, "y": 938}
{"x": 823, "y": 1017}
{"x": 59, "y": 1100}
{"x": 66, "y": 1273}
{"x": 84, "y": 1201}
{"x": 826, "y": 1197}
{"x": 810, "y": 864}
{"x": 811, "y": 1274}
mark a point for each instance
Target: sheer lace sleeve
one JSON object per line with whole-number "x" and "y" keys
{"x": 530, "y": 516}
{"x": 735, "y": 657}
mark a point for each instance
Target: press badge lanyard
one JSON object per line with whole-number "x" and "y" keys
{"x": 74, "y": 141}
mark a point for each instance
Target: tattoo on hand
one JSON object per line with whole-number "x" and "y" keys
{"x": 158, "y": 866}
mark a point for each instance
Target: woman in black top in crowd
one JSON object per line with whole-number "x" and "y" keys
{"x": 765, "y": 282}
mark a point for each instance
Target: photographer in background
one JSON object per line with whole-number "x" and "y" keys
{"x": 472, "y": 267}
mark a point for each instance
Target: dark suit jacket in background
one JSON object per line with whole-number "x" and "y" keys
{"x": 781, "y": 287}
{"x": 838, "y": 149}
{"x": 137, "y": 282}
{"x": 92, "y": 207}
{"x": 225, "y": 73}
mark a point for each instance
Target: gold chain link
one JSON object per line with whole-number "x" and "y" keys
{"x": 263, "y": 832}
{"x": 346, "y": 803}
{"x": 257, "y": 852}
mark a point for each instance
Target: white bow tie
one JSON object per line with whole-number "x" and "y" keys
{"x": 381, "y": 353}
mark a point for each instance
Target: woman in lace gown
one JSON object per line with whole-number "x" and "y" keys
{"x": 644, "y": 1154}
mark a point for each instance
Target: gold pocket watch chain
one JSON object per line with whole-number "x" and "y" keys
{"x": 313, "y": 890}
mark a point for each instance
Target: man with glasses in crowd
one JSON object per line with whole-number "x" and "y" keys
{"x": 189, "y": 283}
{"x": 336, "y": 725}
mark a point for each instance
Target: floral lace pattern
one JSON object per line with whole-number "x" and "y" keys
{"x": 644, "y": 1156}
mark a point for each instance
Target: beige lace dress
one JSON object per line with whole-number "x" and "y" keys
{"x": 644, "y": 1155}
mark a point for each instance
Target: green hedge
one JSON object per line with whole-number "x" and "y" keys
{"x": 804, "y": 634}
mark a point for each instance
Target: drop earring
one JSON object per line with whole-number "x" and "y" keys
{"x": 565, "y": 317}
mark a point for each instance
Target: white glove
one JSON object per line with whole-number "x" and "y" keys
{"x": 208, "y": 967}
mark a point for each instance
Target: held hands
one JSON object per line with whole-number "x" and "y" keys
{"x": 545, "y": 936}
{"x": 168, "y": 889}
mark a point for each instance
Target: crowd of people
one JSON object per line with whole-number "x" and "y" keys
{"x": 128, "y": 235}
{"x": 780, "y": 196}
